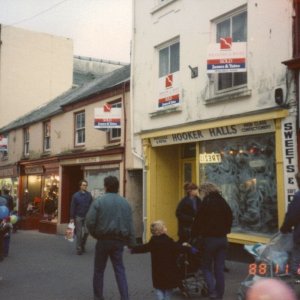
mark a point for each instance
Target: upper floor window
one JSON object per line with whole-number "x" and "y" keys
{"x": 115, "y": 133}
{"x": 234, "y": 26}
{"x": 3, "y": 147}
{"x": 80, "y": 128}
{"x": 169, "y": 59}
{"x": 26, "y": 141}
{"x": 47, "y": 136}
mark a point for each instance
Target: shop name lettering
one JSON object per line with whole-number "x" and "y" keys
{"x": 290, "y": 157}
{"x": 196, "y": 135}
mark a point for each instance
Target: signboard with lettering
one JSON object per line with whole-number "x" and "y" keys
{"x": 290, "y": 158}
{"x": 226, "y": 57}
{"x": 210, "y": 158}
{"x": 169, "y": 90}
{"x": 250, "y": 128}
{"x": 107, "y": 117}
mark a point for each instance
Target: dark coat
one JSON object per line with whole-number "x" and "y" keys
{"x": 292, "y": 218}
{"x": 164, "y": 252}
{"x": 186, "y": 214}
{"x": 214, "y": 218}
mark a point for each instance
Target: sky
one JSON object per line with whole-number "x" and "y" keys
{"x": 99, "y": 28}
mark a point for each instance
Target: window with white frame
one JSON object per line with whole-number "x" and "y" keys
{"x": 47, "y": 135}
{"x": 169, "y": 59}
{"x": 80, "y": 128}
{"x": 234, "y": 26}
{"x": 26, "y": 141}
{"x": 115, "y": 133}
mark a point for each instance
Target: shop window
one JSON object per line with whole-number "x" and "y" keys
{"x": 234, "y": 26}
{"x": 80, "y": 128}
{"x": 47, "y": 136}
{"x": 115, "y": 133}
{"x": 245, "y": 171}
{"x": 26, "y": 141}
{"x": 50, "y": 197}
{"x": 169, "y": 59}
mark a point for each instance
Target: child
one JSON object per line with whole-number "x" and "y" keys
{"x": 164, "y": 252}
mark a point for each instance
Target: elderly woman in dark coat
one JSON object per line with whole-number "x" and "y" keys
{"x": 213, "y": 223}
{"x": 186, "y": 211}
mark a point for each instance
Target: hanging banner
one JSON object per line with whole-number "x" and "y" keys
{"x": 290, "y": 158}
{"x": 168, "y": 90}
{"x": 226, "y": 56}
{"x": 107, "y": 117}
{"x": 3, "y": 146}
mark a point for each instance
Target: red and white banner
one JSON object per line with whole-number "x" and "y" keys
{"x": 107, "y": 117}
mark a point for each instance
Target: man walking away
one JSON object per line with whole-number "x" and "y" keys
{"x": 81, "y": 202}
{"x": 109, "y": 220}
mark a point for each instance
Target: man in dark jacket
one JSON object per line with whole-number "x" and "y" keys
{"x": 109, "y": 220}
{"x": 80, "y": 205}
{"x": 292, "y": 222}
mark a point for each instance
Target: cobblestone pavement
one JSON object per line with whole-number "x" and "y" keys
{"x": 46, "y": 267}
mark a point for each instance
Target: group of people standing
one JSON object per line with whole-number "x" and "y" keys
{"x": 204, "y": 215}
{"x": 203, "y": 212}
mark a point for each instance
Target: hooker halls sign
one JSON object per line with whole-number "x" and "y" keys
{"x": 249, "y": 128}
{"x": 290, "y": 158}
{"x": 226, "y": 57}
{"x": 107, "y": 117}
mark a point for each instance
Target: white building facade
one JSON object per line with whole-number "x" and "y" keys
{"x": 212, "y": 101}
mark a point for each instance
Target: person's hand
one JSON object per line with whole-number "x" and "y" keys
{"x": 185, "y": 244}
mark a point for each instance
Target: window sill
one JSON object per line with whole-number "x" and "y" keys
{"x": 233, "y": 95}
{"x": 165, "y": 111}
{"x": 161, "y": 5}
{"x": 112, "y": 145}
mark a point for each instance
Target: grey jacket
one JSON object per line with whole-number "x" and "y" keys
{"x": 110, "y": 218}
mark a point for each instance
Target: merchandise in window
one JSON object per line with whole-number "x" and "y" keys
{"x": 244, "y": 169}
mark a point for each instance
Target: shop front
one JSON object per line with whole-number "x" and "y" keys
{"x": 39, "y": 199}
{"x": 252, "y": 159}
{"x": 9, "y": 179}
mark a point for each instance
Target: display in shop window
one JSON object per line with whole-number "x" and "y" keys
{"x": 51, "y": 197}
{"x": 246, "y": 175}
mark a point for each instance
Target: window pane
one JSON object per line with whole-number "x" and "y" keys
{"x": 246, "y": 176}
{"x": 223, "y": 30}
{"x": 164, "y": 62}
{"x": 224, "y": 81}
{"x": 239, "y": 78}
{"x": 174, "y": 60}
{"x": 239, "y": 28}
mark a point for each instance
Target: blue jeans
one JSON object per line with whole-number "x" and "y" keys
{"x": 112, "y": 249}
{"x": 213, "y": 264}
{"x": 81, "y": 233}
{"x": 163, "y": 294}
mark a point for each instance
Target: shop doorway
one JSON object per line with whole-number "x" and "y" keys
{"x": 71, "y": 175}
{"x": 188, "y": 172}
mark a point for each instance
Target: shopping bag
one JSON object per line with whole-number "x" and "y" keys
{"x": 69, "y": 234}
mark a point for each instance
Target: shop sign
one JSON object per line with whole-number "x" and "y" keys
{"x": 249, "y": 128}
{"x": 226, "y": 57}
{"x": 8, "y": 172}
{"x": 210, "y": 158}
{"x": 107, "y": 117}
{"x": 289, "y": 157}
{"x": 168, "y": 90}
{"x": 34, "y": 170}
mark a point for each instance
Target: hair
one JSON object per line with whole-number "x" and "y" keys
{"x": 111, "y": 184}
{"x": 157, "y": 227}
{"x": 208, "y": 188}
{"x": 297, "y": 176}
{"x": 189, "y": 186}
{"x": 82, "y": 181}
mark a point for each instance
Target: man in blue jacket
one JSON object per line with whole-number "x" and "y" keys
{"x": 292, "y": 223}
{"x": 80, "y": 205}
{"x": 109, "y": 220}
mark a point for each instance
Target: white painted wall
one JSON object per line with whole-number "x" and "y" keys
{"x": 269, "y": 43}
{"x": 34, "y": 68}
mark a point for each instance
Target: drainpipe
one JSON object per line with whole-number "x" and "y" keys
{"x": 124, "y": 137}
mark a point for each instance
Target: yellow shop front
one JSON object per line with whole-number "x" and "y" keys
{"x": 251, "y": 158}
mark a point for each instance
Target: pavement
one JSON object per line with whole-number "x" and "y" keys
{"x": 45, "y": 267}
